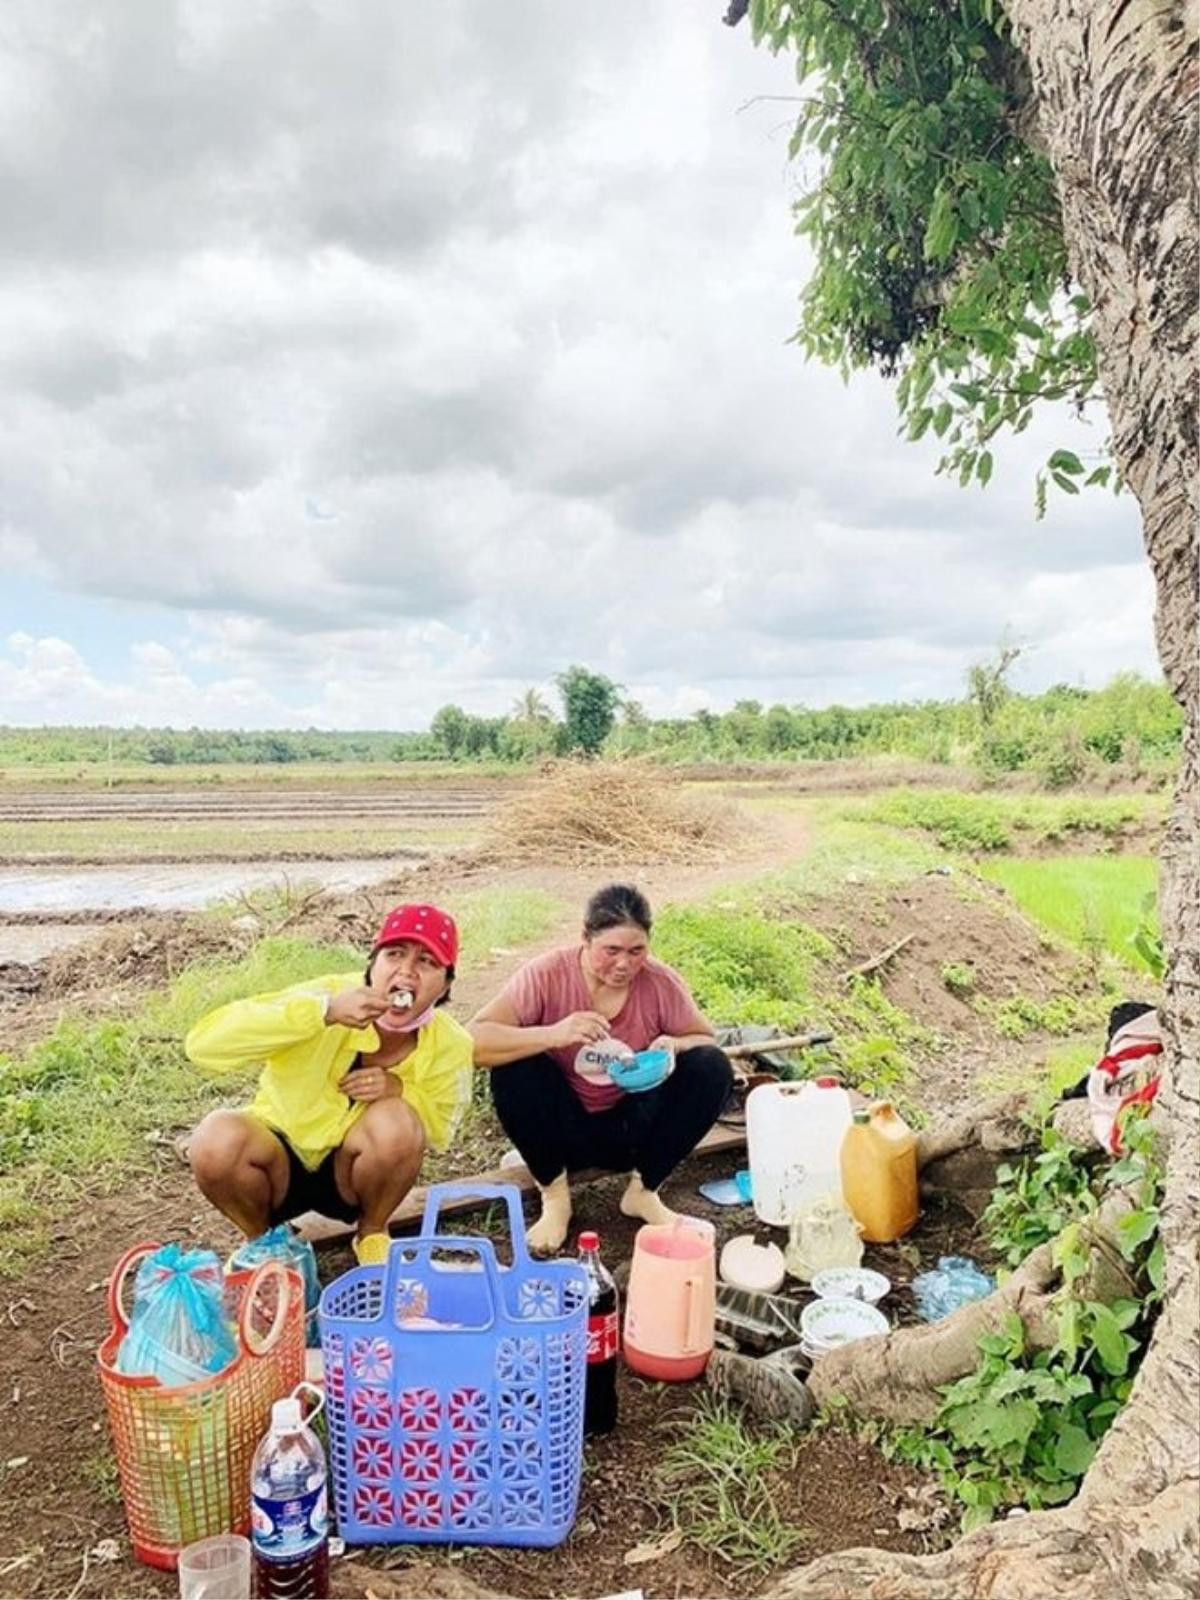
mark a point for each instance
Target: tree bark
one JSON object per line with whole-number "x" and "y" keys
{"x": 1114, "y": 86}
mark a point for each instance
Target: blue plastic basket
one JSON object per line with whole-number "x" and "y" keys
{"x": 454, "y": 1389}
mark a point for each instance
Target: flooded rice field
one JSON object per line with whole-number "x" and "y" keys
{"x": 173, "y": 886}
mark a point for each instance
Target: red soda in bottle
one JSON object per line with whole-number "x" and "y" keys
{"x": 603, "y": 1340}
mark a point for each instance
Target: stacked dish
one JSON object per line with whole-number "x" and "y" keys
{"x": 829, "y": 1323}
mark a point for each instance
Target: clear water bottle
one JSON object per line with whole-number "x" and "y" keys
{"x": 289, "y": 1508}
{"x": 603, "y": 1340}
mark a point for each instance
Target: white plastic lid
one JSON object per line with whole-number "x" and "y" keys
{"x": 285, "y": 1415}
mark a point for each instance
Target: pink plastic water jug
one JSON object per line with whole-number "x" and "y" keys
{"x": 670, "y": 1307}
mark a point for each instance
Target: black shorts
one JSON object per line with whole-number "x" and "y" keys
{"x": 312, "y": 1191}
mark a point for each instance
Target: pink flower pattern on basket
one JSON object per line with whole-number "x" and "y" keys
{"x": 419, "y": 1410}
{"x": 371, "y": 1409}
{"x": 421, "y": 1508}
{"x": 421, "y": 1460}
{"x": 373, "y": 1459}
{"x": 469, "y": 1411}
{"x": 470, "y": 1461}
{"x": 371, "y": 1360}
{"x": 374, "y": 1505}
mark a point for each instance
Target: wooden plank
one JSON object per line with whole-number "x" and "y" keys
{"x": 325, "y": 1231}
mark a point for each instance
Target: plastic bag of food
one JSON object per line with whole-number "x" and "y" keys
{"x": 955, "y": 1282}
{"x": 178, "y": 1329}
{"x": 282, "y": 1243}
{"x": 822, "y": 1234}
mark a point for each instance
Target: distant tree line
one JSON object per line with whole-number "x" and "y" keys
{"x": 1057, "y": 736}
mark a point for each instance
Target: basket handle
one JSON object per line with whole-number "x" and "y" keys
{"x": 403, "y": 1252}
{"x": 262, "y": 1275}
{"x": 506, "y": 1192}
{"x": 116, "y": 1282}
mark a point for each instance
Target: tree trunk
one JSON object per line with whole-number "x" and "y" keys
{"x": 1114, "y": 84}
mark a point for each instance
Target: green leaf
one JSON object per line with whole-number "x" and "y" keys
{"x": 1111, "y": 1344}
{"x": 1135, "y": 1228}
{"x": 983, "y": 469}
{"x": 1073, "y": 1450}
{"x": 1066, "y": 461}
{"x": 1156, "y": 1264}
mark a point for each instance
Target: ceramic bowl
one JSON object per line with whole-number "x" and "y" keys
{"x": 851, "y": 1283}
{"x": 646, "y": 1070}
{"x": 828, "y": 1324}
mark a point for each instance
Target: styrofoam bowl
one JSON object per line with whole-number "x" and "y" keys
{"x": 758, "y": 1268}
{"x": 828, "y": 1324}
{"x": 851, "y": 1283}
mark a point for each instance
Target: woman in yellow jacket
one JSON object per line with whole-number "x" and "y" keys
{"x": 359, "y": 1074}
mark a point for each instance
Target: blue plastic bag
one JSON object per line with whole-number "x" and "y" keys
{"x": 178, "y": 1329}
{"x": 955, "y": 1282}
{"x": 282, "y": 1243}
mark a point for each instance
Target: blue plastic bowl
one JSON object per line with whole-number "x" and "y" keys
{"x": 646, "y": 1070}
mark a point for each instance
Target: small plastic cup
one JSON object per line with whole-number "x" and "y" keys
{"x": 215, "y": 1569}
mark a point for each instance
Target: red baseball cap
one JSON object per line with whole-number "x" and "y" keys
{"x": 427, "y": 925}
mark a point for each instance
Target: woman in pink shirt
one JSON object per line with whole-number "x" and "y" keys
{"x": 551, "y": 1030}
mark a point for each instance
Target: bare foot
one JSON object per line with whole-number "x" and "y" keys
{"x": 643, "y": 1203}
{"x": 549, "y": 1232}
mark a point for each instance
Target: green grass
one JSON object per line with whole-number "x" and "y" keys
{"x": 978, "y": 823}
{"x": 1049, "y": 1075}
{"x": 722, "y": 1477}
{"x": 81, "y": 1109}
{"x": 760, "y": 963}
{"x": 1092, "y": 902}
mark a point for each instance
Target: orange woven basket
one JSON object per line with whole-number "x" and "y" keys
{"x": 184, "y": 1453}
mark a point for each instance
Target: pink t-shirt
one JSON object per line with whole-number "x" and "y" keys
{"x": 552, "y": 986}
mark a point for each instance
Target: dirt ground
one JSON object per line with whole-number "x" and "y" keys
{"x": 60, "y": 1504}
{"x": 61, "y": 1522}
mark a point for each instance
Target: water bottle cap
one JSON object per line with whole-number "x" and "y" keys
{"x": 589, "y": 1241}
{"x": 827, "y": 1083}
{"x": 285, "y": 1415}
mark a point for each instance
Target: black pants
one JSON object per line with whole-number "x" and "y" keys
{"x": 649, "y": 1133}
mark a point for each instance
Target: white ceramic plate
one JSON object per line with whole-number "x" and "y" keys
{"x": 830, "y": 1323}
{"x": 851, "y": 1283}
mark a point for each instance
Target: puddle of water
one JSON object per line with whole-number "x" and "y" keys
{"x": 177, "y": 886}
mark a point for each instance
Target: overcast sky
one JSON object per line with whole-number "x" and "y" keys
{"x": 362, "y": 356}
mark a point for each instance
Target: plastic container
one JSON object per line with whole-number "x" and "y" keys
{"x": 215, "y": 1569}
{"x": 603, "y": 1339}
{"x": 879, "y": 1173}
{"x": 761, "y": 1322}
{"x": 955, "y": 1282}
{"x": 289, "y": 1509}
{"x": 670, "y": 1305}
{"x": 644, "y": 1070}
{"x": 454, "y": 1389}
{"x": 794, "y": 1134}
{"x": 184, "y": 1453}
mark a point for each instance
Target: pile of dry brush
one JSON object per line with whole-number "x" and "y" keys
{"x": 584, "y": 813}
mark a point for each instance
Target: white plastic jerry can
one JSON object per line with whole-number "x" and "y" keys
{"x": 794, "y": 1134}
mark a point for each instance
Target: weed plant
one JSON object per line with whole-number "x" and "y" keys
{"x": 988, "y": 823}
{"x": 744, "y": 966}
{"x": 722, "y": 1476}
{"x": 1023, "y": 1427}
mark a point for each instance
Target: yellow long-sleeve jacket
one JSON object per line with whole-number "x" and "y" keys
{"x": 304, "y": 1059}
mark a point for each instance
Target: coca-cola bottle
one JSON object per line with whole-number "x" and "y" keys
{"x": 603, "y": 1340}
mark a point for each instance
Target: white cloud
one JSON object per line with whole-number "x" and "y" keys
{"x": 398, "y": 356}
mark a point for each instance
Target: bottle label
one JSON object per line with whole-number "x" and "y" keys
{"x": 287, "y": 1529}
{"x": 603, "y": 1339}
